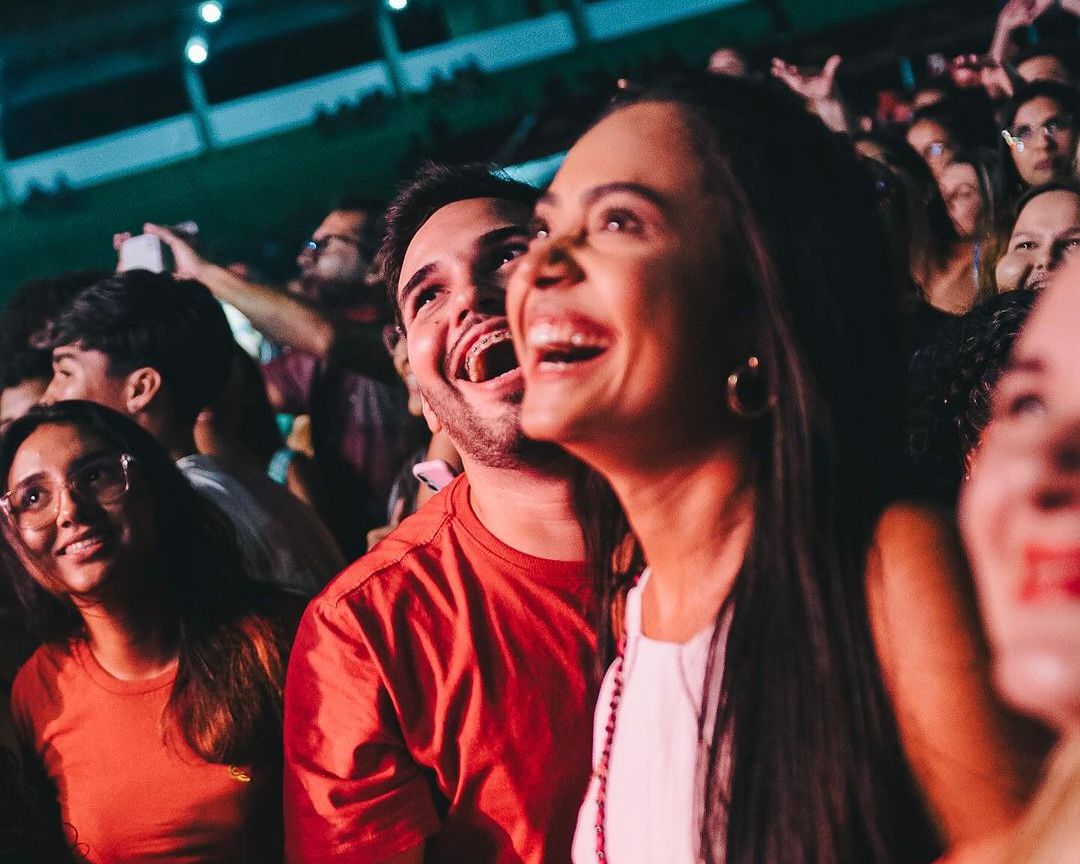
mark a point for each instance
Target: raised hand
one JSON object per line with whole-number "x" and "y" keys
{"x": 814, "y": 88}
{"x": 189, "y": 263}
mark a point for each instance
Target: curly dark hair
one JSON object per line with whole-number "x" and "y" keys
{"x": 951, "y": 382}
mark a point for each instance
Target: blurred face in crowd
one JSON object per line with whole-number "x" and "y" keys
{"x": 928, "y": 96}
{"x": 612, "y": 307}
{"x": 1020, "y": 512}
{"x": 932, "y": 142}
{"x": 960, "y": 189}
{"x": 82, "y": 542}
{"x": 1045, "y": 67}
{"x": 727, "y": 61}
{"x": 1046, "y": 234}
{"x": 1042, "y": 140}
{"x": 332, "y": 265}
{"x": 452, "y": 298}
{"x": 17, "y": 400}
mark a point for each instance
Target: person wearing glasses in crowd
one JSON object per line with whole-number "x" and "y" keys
{"x": 1038, "y": 137}
{"x": 931, "y": 136}
{"x": 334, "y": 367}
{"x": 793, "y": 661}
{"x": 151, "y": 713}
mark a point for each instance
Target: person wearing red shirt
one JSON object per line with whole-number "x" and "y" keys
{"x": 439, "y": 691}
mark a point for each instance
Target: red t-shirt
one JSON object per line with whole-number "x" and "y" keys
{"x": 441, "y": 688}
{"x": 127, "y": 791}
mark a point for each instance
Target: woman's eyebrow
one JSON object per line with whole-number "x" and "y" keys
{"x": 595, "y": 193}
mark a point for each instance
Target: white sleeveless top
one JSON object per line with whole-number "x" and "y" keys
{"x": 651, "y": 800}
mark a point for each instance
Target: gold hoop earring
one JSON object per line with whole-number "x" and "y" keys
{"x": 748, "y": 393}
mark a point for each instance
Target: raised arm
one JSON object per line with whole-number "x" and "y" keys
{"x": 1014, "y": 15}
{"x": 819, "y": 90}
{"x": 282, "y": 318}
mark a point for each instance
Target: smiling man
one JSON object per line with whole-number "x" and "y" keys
{"x": 440, "y": 689}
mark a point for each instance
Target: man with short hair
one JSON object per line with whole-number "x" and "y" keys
{"x": 160, "y": 350}
{"x": 334, "y": 367}
{"x": 440, "y": 691}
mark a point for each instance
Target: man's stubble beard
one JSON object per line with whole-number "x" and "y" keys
{"x": 499, "y": 443}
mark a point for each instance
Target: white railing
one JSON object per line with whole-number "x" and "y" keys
{"x": 251, "y": 117}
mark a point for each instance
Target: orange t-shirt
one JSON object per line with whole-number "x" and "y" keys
{"x": 441, "y": 688}
{"x": 127, "y": 792}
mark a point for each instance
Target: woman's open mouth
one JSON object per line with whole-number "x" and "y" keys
{"x": 563, "y": 344}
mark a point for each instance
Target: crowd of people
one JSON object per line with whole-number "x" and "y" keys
{"x": 717, "y": 502}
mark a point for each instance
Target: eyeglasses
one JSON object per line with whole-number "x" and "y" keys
{"x": 35, "y": 502}
{"x": 1024, "y": 136}
{"x": 934, "y": 149}
{"x": 317, "y": 247}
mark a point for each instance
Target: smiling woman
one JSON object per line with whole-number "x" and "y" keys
{"x": 160, "y": 676}
{"x": 703, "y": 316}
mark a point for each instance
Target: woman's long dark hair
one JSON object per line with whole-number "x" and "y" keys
{"x": 227, "y": 697}
{"x": 818, "y": 774}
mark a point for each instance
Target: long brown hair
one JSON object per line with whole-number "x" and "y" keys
{"x": 226, "y": 701}
{"x": 818, "y": 773}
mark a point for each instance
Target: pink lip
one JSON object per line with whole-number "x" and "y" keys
{"x": 1050, "y": 573}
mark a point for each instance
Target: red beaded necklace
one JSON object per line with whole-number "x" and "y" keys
{"x": 605, "y": 754}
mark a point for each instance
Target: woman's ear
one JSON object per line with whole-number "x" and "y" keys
{"x": 140, "y": 388}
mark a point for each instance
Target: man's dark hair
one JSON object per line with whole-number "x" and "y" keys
{"x": 431, "y": 188}
{"x": 139, "y": 318}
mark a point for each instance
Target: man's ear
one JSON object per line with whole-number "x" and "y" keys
{"x": 433, "y": 422}
{"x": 140, "y": 388}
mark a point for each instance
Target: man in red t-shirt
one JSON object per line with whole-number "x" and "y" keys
{"x": 440, "y": 690}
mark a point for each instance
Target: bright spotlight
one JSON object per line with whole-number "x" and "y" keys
{"x": 210, "y": 11}
{"x": 397, "y": 5}
{"x": 196, "y": 50}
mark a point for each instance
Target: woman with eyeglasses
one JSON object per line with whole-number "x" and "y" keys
{"x": 152, "y": 710}
{"x": 705, "y": 320}
{"x": 1038, "y": 137}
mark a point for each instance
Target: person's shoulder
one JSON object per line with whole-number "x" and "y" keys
{"x": 904, "y": 525}
{"x": 404, "y": 560}
{"x": 41, "y": 676}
